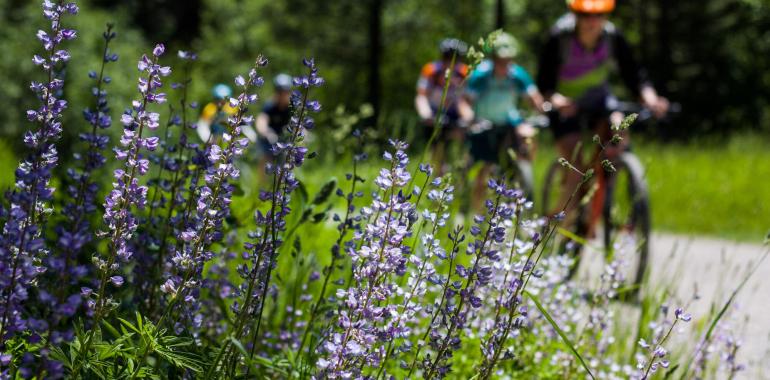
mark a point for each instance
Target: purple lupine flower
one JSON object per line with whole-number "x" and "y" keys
{"x": 169, "y": 193}
{"x": 127, "y": 193}
{"x": 74, "y": 231}
{"x": 422, "y": 272}
{"x": 21, "y": 246}
{"x": 348, "y": 221}
{"x": 657, "y": 355}
{"x": 463, "y": 296}
{"x": 214, "y": 197}
{"x": 263, "y": 250}
{"x": 212, "y": 317}
{"x": 368, "y": 317}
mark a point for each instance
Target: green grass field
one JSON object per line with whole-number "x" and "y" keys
{"x": 718, "y": 189}
{"x": 721, "y": 190}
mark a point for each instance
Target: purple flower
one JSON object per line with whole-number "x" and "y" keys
{"x": 127, "y": 193}
{"x": 158, "y": 50}
{"x": 266, "y": 241}
{"x": 369, "y": 317}
{"x": 21, "y": 245}
{"x": 213, "y": 204}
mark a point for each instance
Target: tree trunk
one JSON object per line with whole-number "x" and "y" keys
{"x": 375, "y": 48}
{"x": 499, "y": 14}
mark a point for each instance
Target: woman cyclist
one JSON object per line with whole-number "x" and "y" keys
{"x": 573, "y": 75}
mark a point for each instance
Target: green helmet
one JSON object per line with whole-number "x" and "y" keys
{"x": 505, "y": 45}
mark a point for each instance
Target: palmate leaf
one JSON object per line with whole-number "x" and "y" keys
{"x": 561, "y": 333}
{"x": 181, "y": 359}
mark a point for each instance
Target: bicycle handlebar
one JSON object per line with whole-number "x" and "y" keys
{"x": 643, "y": 112}
{"x": 543, "y": 120}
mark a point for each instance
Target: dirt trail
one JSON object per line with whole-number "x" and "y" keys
{"x": 716, "y": 267}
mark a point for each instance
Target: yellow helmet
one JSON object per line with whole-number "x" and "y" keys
{"x": 591, "y": 6}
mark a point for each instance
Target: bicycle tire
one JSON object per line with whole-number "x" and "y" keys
{"x": 580, "y": 228}
{"x": 637, "y": 196}
{"x": 523, "y": 176}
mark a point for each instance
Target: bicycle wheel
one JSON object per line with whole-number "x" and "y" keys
{"x": 626, "y": 215}
{"x": 520, "y": 174}
{"x": 553, "y": 187}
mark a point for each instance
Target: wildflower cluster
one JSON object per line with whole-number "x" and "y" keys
{"x": 163, "y": 280}
{"x": 22, "y": 247}
{"x": 128, "y": 193}
{"x": 214, "y": 197}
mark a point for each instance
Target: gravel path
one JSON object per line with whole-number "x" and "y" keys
{"x": 716, "y": 267}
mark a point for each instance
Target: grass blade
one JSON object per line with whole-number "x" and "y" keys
{"x": 561, "y": 333}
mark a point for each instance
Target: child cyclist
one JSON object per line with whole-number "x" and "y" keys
{"x": 495, "y": 88}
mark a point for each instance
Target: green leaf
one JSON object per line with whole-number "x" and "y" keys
{"x": 111, "y": 329}
{"x": 561, "y": 333}
{"x": 181, "y": 359}
{"x": 172, "y": 349}
{"x": 302, "y": 191}
{"x": 572, "y": 236}
{"x": 238, "y": 190}
{"x": 319, "y": 217}
{"x": 128, "y": 324}
{"x": 326, "y": 190}
{"x": 139, "y": 321}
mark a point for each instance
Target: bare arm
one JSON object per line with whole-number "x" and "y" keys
{"x": 656, "y": 103}
{"x": 536, "y": 99}
{"x": 263, "y": 128}
{"x": 422, "y": 105}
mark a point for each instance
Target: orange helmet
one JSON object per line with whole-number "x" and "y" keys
{"x": 591, "y": 6}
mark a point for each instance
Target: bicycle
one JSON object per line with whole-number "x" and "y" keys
{"x": 515, "y": 161}
{"x": 619, "y": 199}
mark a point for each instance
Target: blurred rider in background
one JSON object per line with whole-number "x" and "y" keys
{"x": 495, "y": 88}
{"x": 430, "y": 88}
{"x": 574, "y": 72}
{"x": 213, "y": 119}
{"x": 275, "y": 115}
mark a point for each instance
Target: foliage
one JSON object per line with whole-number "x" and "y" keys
{"x": 181, "y": 274}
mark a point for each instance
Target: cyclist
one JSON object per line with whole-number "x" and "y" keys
{"x": 430, "y": 87}
{"x": 573, "y": 74}
{"x": 494, "y": 89}
{"x": 213, "y": 118}
{"x": 275, "y": 115}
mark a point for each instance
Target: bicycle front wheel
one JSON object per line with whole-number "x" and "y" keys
{"x": 626, "y": 215}
{"x": 520, "y": 174}
{"x": 551, "y": 203}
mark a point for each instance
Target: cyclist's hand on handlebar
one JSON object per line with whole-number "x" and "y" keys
{"x": 526, "y": 130}
{"x": 564, "y": 105}
{"x": 659, "y": 107}
{"x": 657, "y": 104}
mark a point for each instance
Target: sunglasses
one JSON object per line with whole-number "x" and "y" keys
{"x": 591, "y": 15}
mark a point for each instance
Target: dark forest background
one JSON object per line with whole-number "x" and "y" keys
{"x": 712, "y": 56}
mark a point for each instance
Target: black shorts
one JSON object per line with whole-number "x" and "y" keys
{"x": 489, "y": 145}
{"x": 593, "y": 108}
{"x": 579, "y": 123}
